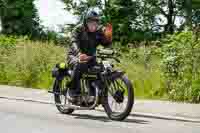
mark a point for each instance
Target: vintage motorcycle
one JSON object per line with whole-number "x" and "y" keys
{"x": 112, "y": 89}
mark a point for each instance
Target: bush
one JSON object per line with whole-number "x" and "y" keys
{"x": 168, "y": 70}
{"x": 180, "y": 61}
{"x": 29, "y": 63}
{"x": 142, "y": 65}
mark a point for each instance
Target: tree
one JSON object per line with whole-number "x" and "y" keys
{"x": 195, "y": 12}
{"x": 138, "y": 19}
{"x": 19, "y": 17}
{"x": 170, "y": 10}
{"x": 122, "y": 14}
{"x": 188, "y": 10}
{"x": 195, "y": 4}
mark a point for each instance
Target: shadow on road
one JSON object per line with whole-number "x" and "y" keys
{"x": 164, "y": 118}
{"x": 106, "y": 119}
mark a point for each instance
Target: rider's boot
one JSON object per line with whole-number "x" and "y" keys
{"x": 74, "y": 96}
{"x": 91, "y": 94}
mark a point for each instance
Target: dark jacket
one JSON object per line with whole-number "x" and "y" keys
{"x": 84, "y": 42}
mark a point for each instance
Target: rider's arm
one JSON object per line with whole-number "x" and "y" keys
{"x": 74, "y": 50}
{"x": 103, "y": 40}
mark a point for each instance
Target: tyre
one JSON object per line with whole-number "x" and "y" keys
{"x": 119, "y": 94}
{"x": 59, "y": 87}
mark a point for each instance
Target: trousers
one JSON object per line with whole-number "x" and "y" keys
{"x": 78, "y": 70}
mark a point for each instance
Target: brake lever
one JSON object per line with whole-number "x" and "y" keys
{"x": 118, "y": 61}
{"x": 103, "y": 57}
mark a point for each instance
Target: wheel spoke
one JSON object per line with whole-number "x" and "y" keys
{"x": 120, "y": 86}
{"x": 109, "y": 85}
{"x": 62, "y": 90}
{"x": 114, "y": 86}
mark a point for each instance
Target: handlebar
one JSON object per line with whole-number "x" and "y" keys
{"x": 106, "y": 51}
{"x": 108, "y": 57}
{"x": 107, "y": 54}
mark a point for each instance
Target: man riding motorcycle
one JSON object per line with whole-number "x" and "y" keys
{"x": 85, "y": 38}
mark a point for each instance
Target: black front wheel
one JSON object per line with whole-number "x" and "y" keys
{"x": 119, "y": 99}
{"x": 60, "y": 88}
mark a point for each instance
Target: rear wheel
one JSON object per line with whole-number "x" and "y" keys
{"x": 119, "y": 100}
{"x": 60, "y": 88}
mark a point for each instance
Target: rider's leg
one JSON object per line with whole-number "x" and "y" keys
{"x": 75, "y": 85}
{"x": 91, "y": 88}
{"x": 78, "y": 69}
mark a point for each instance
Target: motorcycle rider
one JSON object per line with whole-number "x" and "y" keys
{"x": 85, "y": 38}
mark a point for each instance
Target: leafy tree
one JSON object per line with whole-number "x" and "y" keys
{"x": 19, "y": 17}
{"x": 196, "y": 12}
{"x": 122, "y": 14}
{"x": 138, "y": 19}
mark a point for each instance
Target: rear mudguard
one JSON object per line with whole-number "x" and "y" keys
{"x": 116, "y": 74}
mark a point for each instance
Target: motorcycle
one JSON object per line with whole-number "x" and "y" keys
{"x": 112, "y": 88}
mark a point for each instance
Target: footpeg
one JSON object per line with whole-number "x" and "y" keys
{"x": 54, "y": 92}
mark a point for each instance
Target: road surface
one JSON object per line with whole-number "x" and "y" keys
{"x": 28, "y": 117}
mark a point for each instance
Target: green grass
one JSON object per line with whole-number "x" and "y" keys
{"x": 144, "y": 74}
{"x": 29, "y": 64}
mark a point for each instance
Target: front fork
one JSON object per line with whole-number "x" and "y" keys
{"x": 107, "y": 80}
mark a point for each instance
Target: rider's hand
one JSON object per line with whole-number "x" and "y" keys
{"x": 107, "y": 30}
{"x": 84, "y": 57}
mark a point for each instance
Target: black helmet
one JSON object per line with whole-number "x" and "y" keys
{"x": 91, "y": 15}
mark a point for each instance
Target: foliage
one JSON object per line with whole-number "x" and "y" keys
{"x": 180, "y": 61}
{"x": 29, "y": 63}
{"x": 136, "y": 20}
{"x": 19, "y": 17}
{"x": 195, "y": 4}
{"x": 161, "y": 69}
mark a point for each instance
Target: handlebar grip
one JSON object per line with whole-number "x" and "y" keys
{"x": 106, "y": 52}
{"x": 103, "y": 57}
{"x": 117, "y": 60}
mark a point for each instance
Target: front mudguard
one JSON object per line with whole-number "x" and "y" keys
{"x": 116, "y": 74}
{"x": 59, "y": 71}
{"x": 55, "y": 72}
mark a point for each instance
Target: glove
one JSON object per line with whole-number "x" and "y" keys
{"x": 84, "y": 58}
{"x": 108, "y": 31}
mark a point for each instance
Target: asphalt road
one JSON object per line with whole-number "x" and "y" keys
{"x": 27, "y": 117}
